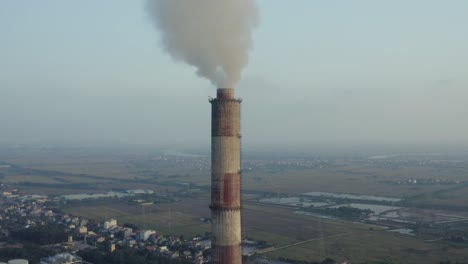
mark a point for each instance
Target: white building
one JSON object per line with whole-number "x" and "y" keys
{"x": 143, "y": 235}
{"x": 18, "y": 261}
{"x": 127, "y": 232}
{"x": 110, "y": 224}
{"x": 82, "y": 230}
{"x": 64, "y": 258}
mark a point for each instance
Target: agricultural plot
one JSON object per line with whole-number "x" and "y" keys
{"x": 279, "y": 226}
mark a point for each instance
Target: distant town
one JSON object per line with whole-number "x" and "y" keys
{"x": 37, "y": 219}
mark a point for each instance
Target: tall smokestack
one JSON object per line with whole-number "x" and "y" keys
{"x": 215, "y": 37}
{"x": 225, "y": 178}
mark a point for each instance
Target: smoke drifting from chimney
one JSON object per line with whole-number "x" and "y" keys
{"x": 212, "y": 35}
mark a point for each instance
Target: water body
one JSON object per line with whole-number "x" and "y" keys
{"x": 352, "y": 196}
{"x": 377, "y": 209}
{"x": 284, "y": 200}
{"x": 403, "y": 231}
{"x": 293, "y": 201}
{"x": 83, "y": 196}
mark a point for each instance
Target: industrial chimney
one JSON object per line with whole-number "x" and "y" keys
{"x": 225, "y": 178}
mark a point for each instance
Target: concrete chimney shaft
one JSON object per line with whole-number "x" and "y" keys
{"x": 225, "y": 178}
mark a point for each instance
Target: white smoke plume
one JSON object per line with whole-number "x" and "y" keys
{"x": 213, "y": 35}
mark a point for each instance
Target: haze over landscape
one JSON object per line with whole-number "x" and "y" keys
{"x": 233, "y": 131}
{"x": 357, "y": 71}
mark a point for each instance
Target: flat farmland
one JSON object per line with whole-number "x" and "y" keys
{"x": 42, "y": 179}
{"x": 111, "y": 170}
{"x": 368, "y": 246}
{"x": 29, "y": 178}
{"x": 120, "y": 171}
{"x": 364, "y": 243}
{"x": 83, "y": 173}
{"x": 360, "y": 242}
{"x": 343, "y": 177}
{"x": 33, "y": 157}
{"x": 179, "y": 218}
{"x": 342, "y": 181}
{"x": 453, "y": 197}
{"x": 457, "y": 197}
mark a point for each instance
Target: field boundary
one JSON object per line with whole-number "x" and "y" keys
{"x": 268, "y": 250}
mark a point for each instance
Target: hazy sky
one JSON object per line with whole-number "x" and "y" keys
{"x": 79, "y": 72}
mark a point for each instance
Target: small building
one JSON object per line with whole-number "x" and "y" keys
{"x": 111, "y": 247}
{"x": 63, "y": 258}
{"x": 143, "y": 235}
{"x": 82, "y": 230}
{"x": 127, "y": 232}
{"x": 18, "y": 261}
{"x": 110, "y": 224}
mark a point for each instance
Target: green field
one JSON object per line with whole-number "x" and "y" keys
{"x": 360, "y": 242}
{"x": 170, "y": 218}
{"x": 87, "y": 173}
